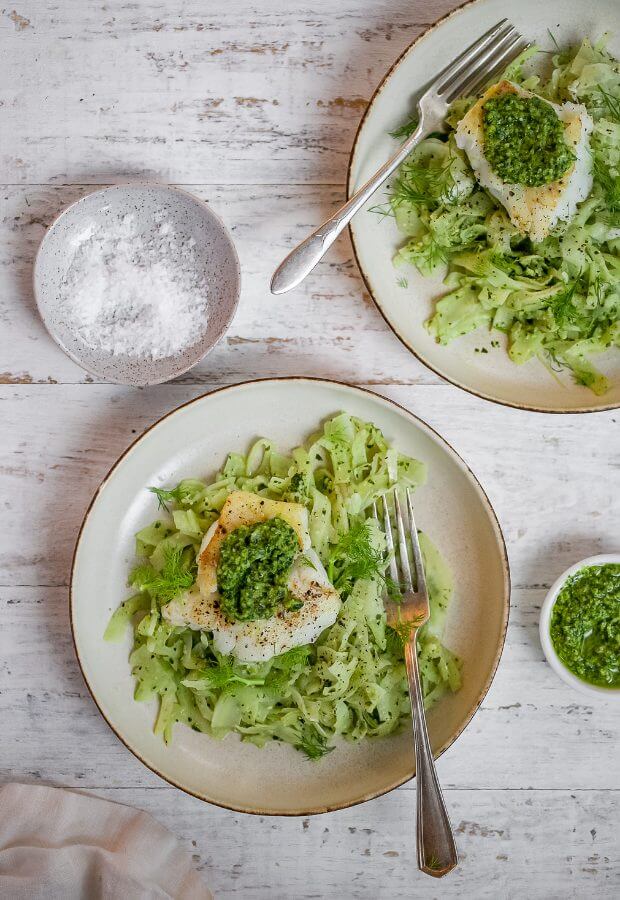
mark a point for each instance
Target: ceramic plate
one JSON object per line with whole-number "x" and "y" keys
{"x": 490, "y": 375}
{"x": 193, "y": 441}
{"x": 214, "y": 261}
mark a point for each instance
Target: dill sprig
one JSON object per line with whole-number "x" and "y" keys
{"x": 382, "y": 209}
{"x": 280, "y": 675}
{"x": 354, "y": 557}
{"x": 436, "y": 253}
{"x": 422, "y": 184}
{"x": 402, "y": 632}
{"x": 612, "y": 104}
{"x": 175, "y": 576}
{"x": 223, "y": 674}
{"x": 164, "y": 497}
{"x": 610, "y": 185}
{"x": 406, "y": 129}
{"x": 313, "y": 743}
{"x": 399, "y": 633}
{"x": 562, "y": 305}
{"x": 554, "y": 40}
{"x": 601, "y": 289}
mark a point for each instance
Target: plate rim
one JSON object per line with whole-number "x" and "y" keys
{"x": 366, "y": 278}
{"x": 506, "y": 593}
{"x": 122, "y": 185}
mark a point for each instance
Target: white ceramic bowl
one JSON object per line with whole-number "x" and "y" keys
{"x": 193, "y": 441}
{"x": 215, "y": 263}
{"x": 545, "y": 621}
{"x": 490, "y": 375}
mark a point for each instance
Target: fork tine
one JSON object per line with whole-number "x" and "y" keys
{"x": 479, "y": 63}
{"x": 402, "y": 545}
{"x": 389, "y": 539}
{"x": 497, "y": 57}
{"x": 471, "y": 85}
{"x": 465, "y": 59}
{"x": 417, "y": 552}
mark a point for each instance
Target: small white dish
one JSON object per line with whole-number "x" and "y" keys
{"x": 545, "y": 636}
{"x": 213, "y": 260}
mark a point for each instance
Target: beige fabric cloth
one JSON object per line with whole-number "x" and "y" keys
{"x": 59, "y": 845}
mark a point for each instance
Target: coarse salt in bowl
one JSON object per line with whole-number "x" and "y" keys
{"x": 137, "y": 282}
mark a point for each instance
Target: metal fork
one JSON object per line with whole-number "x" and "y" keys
{"x": 469, "y": 71}
{"x": 437, "y": 854}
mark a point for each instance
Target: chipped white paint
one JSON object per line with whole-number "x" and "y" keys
{"x": 253, "y": 107}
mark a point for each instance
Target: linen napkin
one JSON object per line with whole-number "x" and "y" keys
{"x": 59, "y": 845}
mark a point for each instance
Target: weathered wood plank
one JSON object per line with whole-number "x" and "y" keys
{"x": 254, "y": 107}
{"x": 513, "y": 742}
{"x": 194, "y": 92}
{"x": 329, "y": 326}
{"x": 368, "y": 851}
{"x": 59, "y": 441}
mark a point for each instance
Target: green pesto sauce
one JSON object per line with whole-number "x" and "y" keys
{"x": 524, "y": 140}
{"x": 585, "y": 624}
{"x": 253, "y": 568}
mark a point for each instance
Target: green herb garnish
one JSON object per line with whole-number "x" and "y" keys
{"x": 421, "y": 184}
{"x": 281, "y": 674}
{"x": 406, "y": 129}
{"x": 219, "y": 676}
{"x": 612, "y": 104}
{"x": 313, "y": 743}
{"x": 553, "y": 40}
{"x": 562, "y": 305}
{"x": 164, "y": 497}
{"x": 176, "y": 575}
{"x": 355, "y": 556}
{"x": 610, "y": 185}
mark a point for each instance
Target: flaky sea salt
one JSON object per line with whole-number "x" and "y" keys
{"x": 134, "y": 292}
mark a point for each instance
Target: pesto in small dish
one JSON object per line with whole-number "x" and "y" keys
{"x": 585, "y": 624}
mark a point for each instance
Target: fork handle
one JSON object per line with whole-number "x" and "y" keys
{"x": 437, "y": 854}
{"x": 306, "y": 255}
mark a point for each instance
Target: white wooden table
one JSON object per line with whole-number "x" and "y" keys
{"x": 253, "y": 106}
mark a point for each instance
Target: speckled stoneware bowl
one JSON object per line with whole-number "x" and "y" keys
{"x": 407, "y": 304}
{"x": 215, "y": 259}
{"x": 193, "y": 441}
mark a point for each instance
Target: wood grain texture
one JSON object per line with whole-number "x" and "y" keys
{"x": 328, "y": 326}
{"x": 60, "y": 440}
{"x": 253, "y": 107}
{"x": 195, "y": 92}
{"x": 368, "y": 851}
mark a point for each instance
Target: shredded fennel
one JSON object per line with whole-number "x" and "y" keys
{"x": 557, "y": 300}
{"x": 351, "y": 682}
